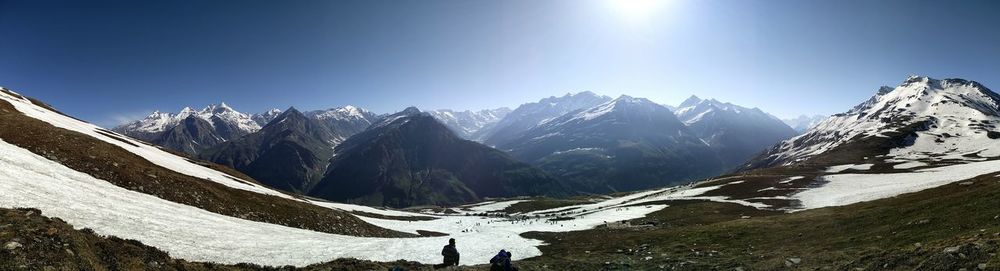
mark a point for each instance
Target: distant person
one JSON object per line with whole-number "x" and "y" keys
{"x": 501, "y": 262}
{"x": 450, "y": 254}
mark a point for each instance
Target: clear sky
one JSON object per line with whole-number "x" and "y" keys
{"x": 105, "y": 61}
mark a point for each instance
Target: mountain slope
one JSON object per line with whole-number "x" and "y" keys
{"x": 470, "y": 124}
{"x": 736, "y": 133}
{"x": 409, "y": 158}
{"x": 620, "y": 145}
{"x": 289, "y": 153}
{"x": 950, "y": 119}
{"x": 529, "y": 115}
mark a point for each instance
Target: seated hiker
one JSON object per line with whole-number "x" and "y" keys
{"x": 501, "y": 262}
{"x": 450, "y": 254}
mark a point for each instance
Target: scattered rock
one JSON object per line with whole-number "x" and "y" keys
{"x": 792, "y": 261}
{"x": 12, "y": 245}
{"x": 952, "y": 249}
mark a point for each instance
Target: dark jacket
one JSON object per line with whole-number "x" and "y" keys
{"x": 450, "y": 255}
{"x": 500, "y": 262}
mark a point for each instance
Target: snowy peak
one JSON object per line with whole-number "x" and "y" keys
{"x": 529, "y": 115}
{"x": 623, "y": 104}
{"x": 468, "y": 123}
{"x": 266, "y": 116}
{"x": 956, "y": 115}
{"x": 690, "y": 101}
{"x": 922, "y": 96}
{"x": 803, "y": 123}
{"x": 694, "y": 109}
{"x": 158, "y": 122}
{"x": 348, "y": 112}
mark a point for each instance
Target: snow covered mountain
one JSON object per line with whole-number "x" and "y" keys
{"x": 225, "y": 122}
{"x": 803, "y": 123}
{"x": 266, "y": 116}
{"x": 620, "y": 145}
{"x": 737, "y": 133}
{"x": 289, "y": 153}
{"x": 468, "y": 124}
{"x": 343, "y": 122}
{"x": 409, "y": 158}
{"x": 931, "y": 119}
{"x": 180, "y": 132}
{"x": 529, "y": 115}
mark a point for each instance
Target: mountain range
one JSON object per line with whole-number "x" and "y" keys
{"x": 576, "y": 143}
{"x": 410, "y": 158}
{"x": 620, "y": 145}
{"x": 906, "y": 180}
{"x": 735, "y": 133}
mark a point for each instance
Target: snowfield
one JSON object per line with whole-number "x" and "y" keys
{"x": 844, "y": 189}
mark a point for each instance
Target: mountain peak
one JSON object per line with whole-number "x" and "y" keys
{"x": 412, "y": 110}
{"x": 690, "y": 101}
{"x": 941, "y": 107}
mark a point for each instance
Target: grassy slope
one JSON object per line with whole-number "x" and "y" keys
{"x": 878, "y": 235}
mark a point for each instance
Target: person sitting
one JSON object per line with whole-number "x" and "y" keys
{"x": 501, "y": 262}
{"x": 450, "y": 254}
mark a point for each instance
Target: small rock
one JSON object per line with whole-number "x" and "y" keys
{"x": 792, "y": 261}
{"x": 982, "y": 266}
{"x": 12, "y": 245}
{"x": 648, "y": 258}
{"x": 745, "y": 217}
{"x": 965, "y": 183}
{"x": 951, "y": 249}
{"x": 738, "y": 268}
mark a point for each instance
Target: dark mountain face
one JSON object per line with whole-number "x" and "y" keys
{"x": 288, "y": 153}
{"x": 410, "y": 158}
{"x": 624, "y": 144}
{"x": 529, "y": 115}
{"x": 191, "y": 135}
{"x": 736, "y": 133}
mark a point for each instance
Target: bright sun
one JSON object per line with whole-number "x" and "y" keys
{"x": 635, "y": 9}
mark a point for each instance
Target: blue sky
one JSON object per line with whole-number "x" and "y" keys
{"x": 105, "y": 61}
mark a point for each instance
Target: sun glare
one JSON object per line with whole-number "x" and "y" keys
{"x": 635, "y": 9}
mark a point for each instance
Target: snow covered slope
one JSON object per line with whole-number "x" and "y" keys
{"x": 151, "y": 153}
{"x": 949, "y": 119}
